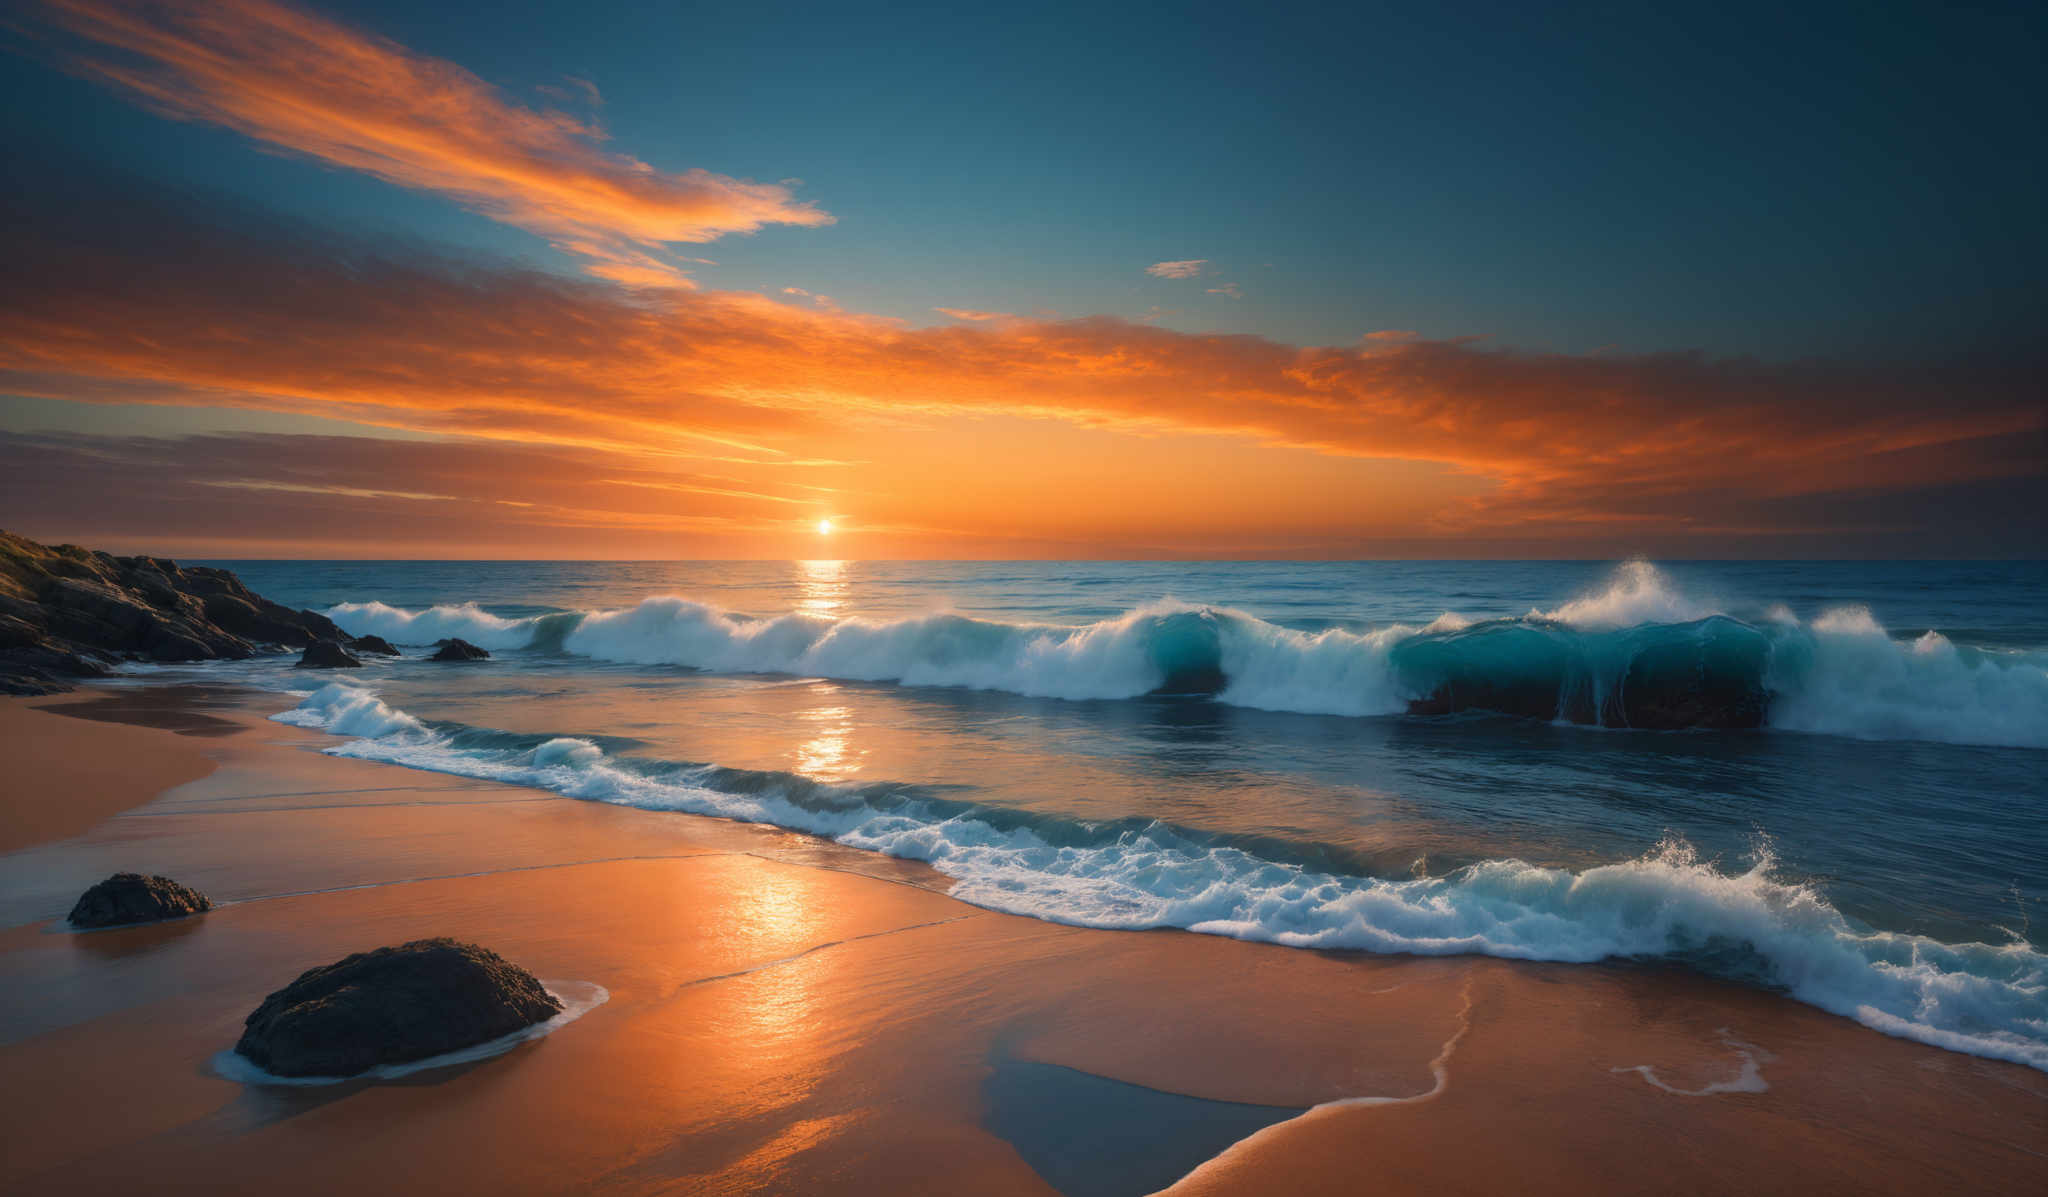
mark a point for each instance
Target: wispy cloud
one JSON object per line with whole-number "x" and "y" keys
{"x": 1186, "y": 269}
{"x": 272, "y": 491}
{"x": 305, "y": 84}
{"x": 824, "y": 301}
{"x": 573, "y": 90}
{"x": 971, "y": 314}
{"x": 1227, "y": 289}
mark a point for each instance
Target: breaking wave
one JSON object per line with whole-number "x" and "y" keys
{"x": 1638, "y": 654}
{"x": 1982, "y": 999}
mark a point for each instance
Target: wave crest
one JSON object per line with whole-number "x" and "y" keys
{"x": 1638, "y": 654}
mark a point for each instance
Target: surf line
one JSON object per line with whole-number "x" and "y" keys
{"x": 1750, "y": 1079}
{"x": 1439, "y": 1069}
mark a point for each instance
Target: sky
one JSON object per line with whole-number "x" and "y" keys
{"x": 767, "y": 280}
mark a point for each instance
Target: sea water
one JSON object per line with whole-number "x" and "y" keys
{"x": 1822, "y": 778}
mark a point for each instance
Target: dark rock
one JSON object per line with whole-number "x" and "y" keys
{"x": 41, "y": 669}
{"x": 16, "y": 632}
{"x": 375, "y": 645}
{"x": 271, "y": 623}
{"x": 62, "y": 606}
{"x": 128, "y": 898}
{"x": 458, "y": 650}
{"x": 326, "y": 654}
{"x": 392, "y": 1006}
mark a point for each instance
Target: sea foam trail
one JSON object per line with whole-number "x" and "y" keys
{"x": 1982, "y": 999}
{"x": 1638, "y": 654}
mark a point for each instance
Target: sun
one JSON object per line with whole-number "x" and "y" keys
{"x": 824, "y": 527}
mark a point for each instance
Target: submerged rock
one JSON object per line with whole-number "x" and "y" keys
{"x": 392, "y": 1006}
{"x": 128, "y": 898}
{"x": 374, "y": 645}
{"x": 458, "y": 650}
{"x": 326, "y": 654}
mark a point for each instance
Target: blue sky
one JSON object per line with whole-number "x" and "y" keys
{"x": 1790, "y": 183}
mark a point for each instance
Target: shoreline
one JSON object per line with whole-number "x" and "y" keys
{"x": 788, "y": 1012}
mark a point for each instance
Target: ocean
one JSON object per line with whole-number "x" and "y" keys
{"x": 1826, "y": 779}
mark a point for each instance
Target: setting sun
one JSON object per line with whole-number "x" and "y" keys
{"x": 824, "y": 527}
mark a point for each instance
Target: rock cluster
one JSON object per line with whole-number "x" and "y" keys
{"x": 392, "y": 1006}
{"x": 457, "y": 650}
{"x": 128, "y": 898}
{"x": 326, "y": 654}
{"x": 67, "y": 612}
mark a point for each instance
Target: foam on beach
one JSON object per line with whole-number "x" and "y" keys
{"x": 1983, "y": 999}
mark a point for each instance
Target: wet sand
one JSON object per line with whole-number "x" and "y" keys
{"x": 62, "y": 776}
{"x": 790, "y": 1016}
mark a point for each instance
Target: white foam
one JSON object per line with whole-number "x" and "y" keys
{"x": 1846, "y": 676}
{"x": 578, "y": 998}
{"x": 1979, "y": 998}
{"x": 1104, "y": 660}
{"x": 1334, "y": 672}
{"x": 1841, "y": 675}
{"x": 568, "y": 751}
{"x": 1636, "y": 593}
{"x": 463, "y": 621}
{"x": 348, "y": 710}
{"x": 1748, "y": 1078}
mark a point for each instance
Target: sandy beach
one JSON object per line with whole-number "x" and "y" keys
{"x": 786, "y": 1014}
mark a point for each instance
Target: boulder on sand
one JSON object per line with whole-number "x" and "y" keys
{"x": 392, "y": 1006}
{"x": 326, "y": 654}
{"x": 458, "y": 650}
{"x": 374, "y": 645}
{"x": 128, "y": 898}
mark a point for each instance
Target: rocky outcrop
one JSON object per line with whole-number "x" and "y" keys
{"x": 457, "y": 650}
{"x": 68, "y": 612}
{"x": 127, "y": 898}
{"x": 373, "y": 646}
{"x": 392, "y": 1006}
{"x": 326, "y": 654}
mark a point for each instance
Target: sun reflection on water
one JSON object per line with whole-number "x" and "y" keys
{"x": 821, "y": 588}
{"x": 828, "y": 754}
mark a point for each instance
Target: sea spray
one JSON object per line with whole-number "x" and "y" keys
{"x": 1983, "y": 999}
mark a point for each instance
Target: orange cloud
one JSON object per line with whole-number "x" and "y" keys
{"x": 220, "y": 493}
{"x": 145, "y": 301}
{"x": 1184, "y": 269}
{"x": 309, "y": 85}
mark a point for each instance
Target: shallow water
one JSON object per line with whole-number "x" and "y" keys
{"x": 1225, "y": 748}
{"x": 1090, "y": 1136}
